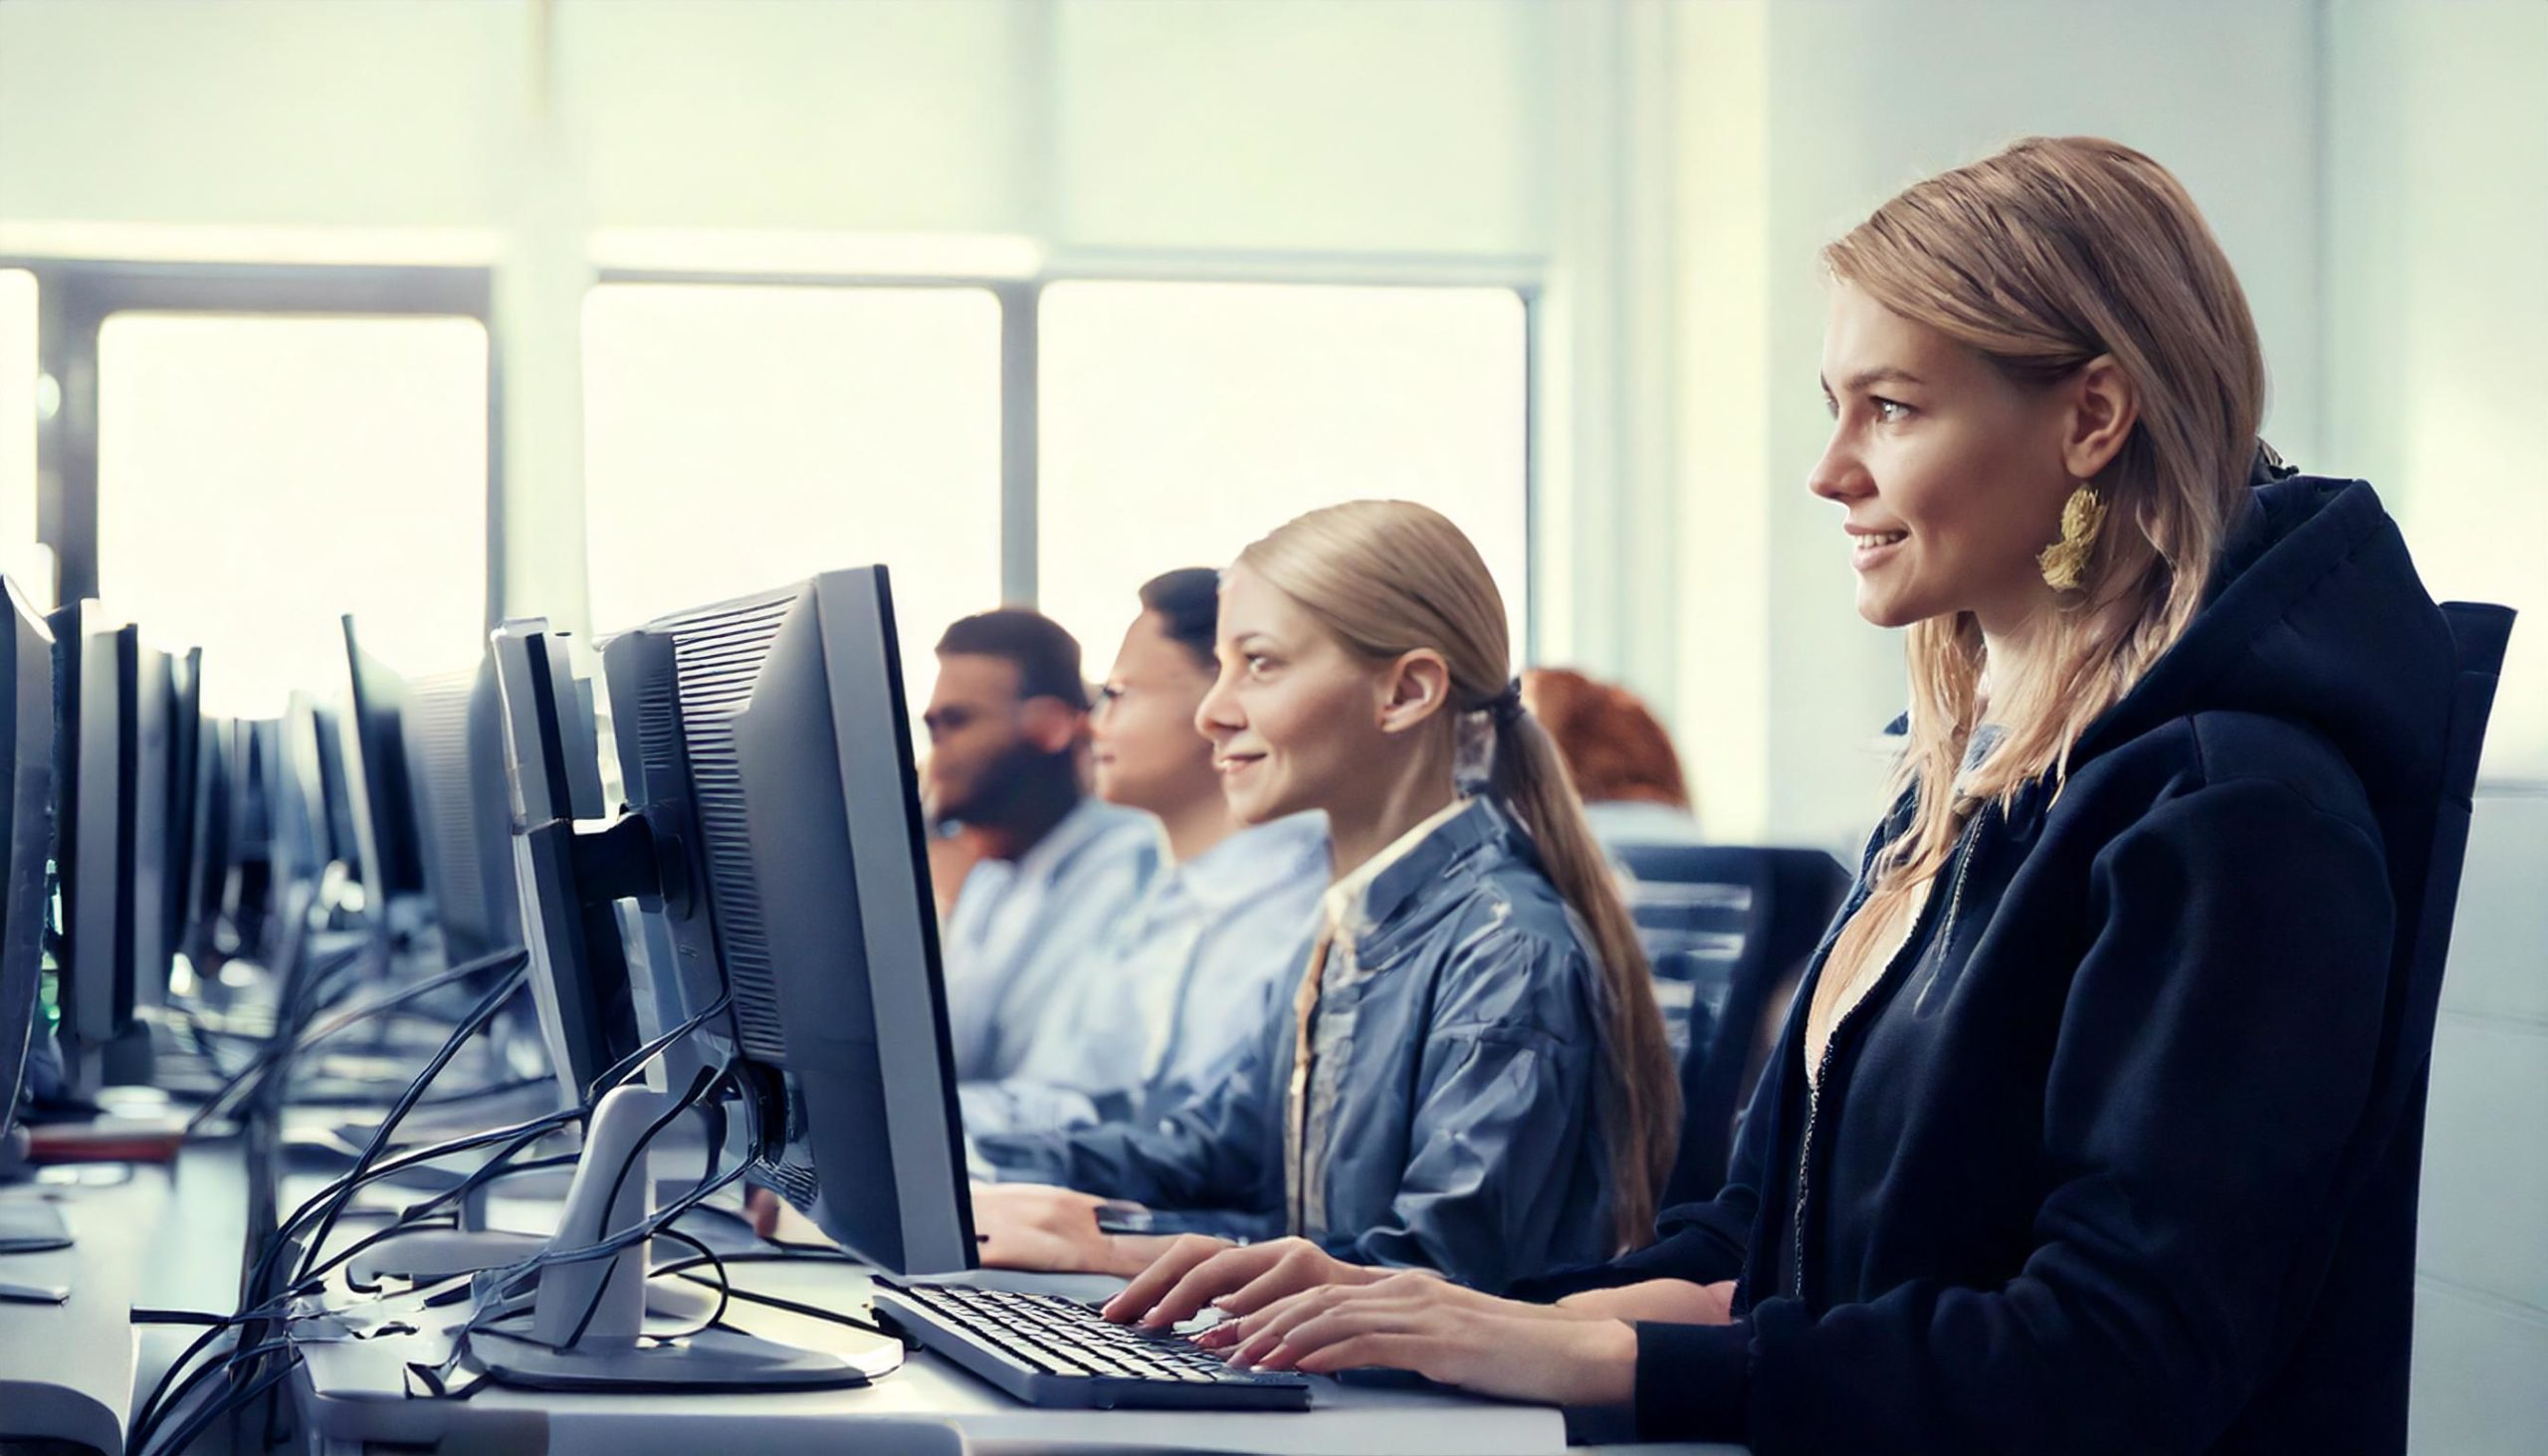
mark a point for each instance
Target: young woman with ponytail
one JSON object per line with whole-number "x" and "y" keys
{"x": 2095, "y": 1127}
{"x": 1469, "y": 1076}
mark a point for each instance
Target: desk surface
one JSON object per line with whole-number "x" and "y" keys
{"x": 184, "y": 1251}
{"x": 65, "y": 1369}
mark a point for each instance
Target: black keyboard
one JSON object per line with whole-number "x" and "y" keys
{"x": 1048, "y": 1351}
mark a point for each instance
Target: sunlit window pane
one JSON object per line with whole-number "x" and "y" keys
{"x": 261, "y": 475}
{"x": 17, "y": 418}
{"x": 741, "y": 437}
{"x": 1181, "y": 421}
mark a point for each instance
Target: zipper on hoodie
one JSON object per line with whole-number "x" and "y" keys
{"x": 1831, "y": 1043}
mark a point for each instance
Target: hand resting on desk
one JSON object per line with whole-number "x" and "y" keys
{"x": 1054, "y": 1231}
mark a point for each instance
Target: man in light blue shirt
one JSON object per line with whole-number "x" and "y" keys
{"x": 1181, "y": 984}
{"x": 1059, "y": 869}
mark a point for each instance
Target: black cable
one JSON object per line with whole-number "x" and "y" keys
{"x": 794, "y": 1307}
{"x": 289, "y": 1039}
{"x": 142, "y": 1412}
{"x": 479, "y": 1015}
{"x": 278, "y": 1047}
{"x": 505, "y": 1278}
{"x": 700, "y": 1086}
{"x": 758, "y": 1256}
{"x": 187, "y": 1434}
{"x": 492, "y": 1089}
{"x": 723, "y": 1287}
{"x": 526, "y": 1132}
{"x": 523, "y": 1133}
{"x": 143, "y": 1316}
{"x": 147, "y": 1424}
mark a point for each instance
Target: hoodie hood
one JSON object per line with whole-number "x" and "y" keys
{"x": 2316, "y": 617}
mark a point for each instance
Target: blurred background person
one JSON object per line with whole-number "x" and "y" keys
{"x": 1056, "y": 867}
{"x": 1623, "y": 762}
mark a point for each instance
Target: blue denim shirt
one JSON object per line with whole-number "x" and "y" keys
{"x": 1462, "y": 1133}
{"x": 1176, "y": 989}
{"x": 1021, "y": 931}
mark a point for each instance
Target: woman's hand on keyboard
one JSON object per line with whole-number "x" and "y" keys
{"x": 1448, "y": 1333}
{"x": 1195, "y": 1271}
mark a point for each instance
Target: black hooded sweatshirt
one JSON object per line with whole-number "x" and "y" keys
{"x": 2120, "y": 1154}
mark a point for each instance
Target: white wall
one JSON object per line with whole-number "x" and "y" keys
{"x": 2437, "y": 303}
{"x": 1866, "y": 99}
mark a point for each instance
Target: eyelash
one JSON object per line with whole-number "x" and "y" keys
{"x": 1832, "y": 407}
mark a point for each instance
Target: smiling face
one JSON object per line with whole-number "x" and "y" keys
{"x": 1142, "y": 735}
{"x": 1952, "y": 473}
{"x": 1296, "y": 721}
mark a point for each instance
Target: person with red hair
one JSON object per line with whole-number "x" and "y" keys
{"x": 1621, "y": 760}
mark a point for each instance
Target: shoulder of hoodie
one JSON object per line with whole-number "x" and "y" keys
{"x": 2217, "y": 748}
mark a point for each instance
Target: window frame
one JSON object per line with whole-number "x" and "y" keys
{"x": 1021, "y": 302}
{"x": 76, "y": 298}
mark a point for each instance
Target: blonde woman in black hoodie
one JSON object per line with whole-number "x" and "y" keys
{"x": 2095, "y": 1127}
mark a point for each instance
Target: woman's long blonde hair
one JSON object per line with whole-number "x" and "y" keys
{"x": 2042, "y": 258}
{"x": 1388, "y": 578}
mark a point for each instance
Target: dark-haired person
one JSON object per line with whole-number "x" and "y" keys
{"x": 1177, "y": 987}
{"x": 2095, "y": 1124}
{"x": 1058, "y": 868}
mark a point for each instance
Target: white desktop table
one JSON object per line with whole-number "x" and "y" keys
{"x": 183, "y": 1251}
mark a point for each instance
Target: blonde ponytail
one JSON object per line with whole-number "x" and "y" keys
{"x": 1642, "y": 1088}
{"x": 1389, "y": 576}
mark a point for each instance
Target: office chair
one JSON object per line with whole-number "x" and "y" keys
{"x": 1728, "y": 929}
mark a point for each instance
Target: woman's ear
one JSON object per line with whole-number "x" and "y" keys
{"x": 1414, "y": 689}
{"x": 2103, "y": 408}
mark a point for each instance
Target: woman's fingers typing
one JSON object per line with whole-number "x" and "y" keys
{"x": 1180, "y": 1258}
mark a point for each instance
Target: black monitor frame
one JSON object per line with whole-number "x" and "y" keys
{"x": 26, "y": 836}
{"x": 579, "y": 967}
{"x": 380, "y": 796}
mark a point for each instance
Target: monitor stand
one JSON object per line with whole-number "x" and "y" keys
{"x": 611, "y": 1298}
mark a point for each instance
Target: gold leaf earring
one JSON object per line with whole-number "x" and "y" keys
{"x": 2066, "y": 560}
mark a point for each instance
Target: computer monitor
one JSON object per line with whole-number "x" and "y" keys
{"x": 203, "y": 897}
{"x": 152, "y": 735}
{"x": 379, "y": 798}
{"x": 774, "y": 839}
{"x": 258, "y": 824}
{"x": 580, "y": 982}
{"x": 185, "y": 779}
{"x": 26, "y": 798}
{"x": 455, "y": 739}
{"x": 296, "y": 792}
{"x": 112, "y": 767}
{"x": 335, "y": 793}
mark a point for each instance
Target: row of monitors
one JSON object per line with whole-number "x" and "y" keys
{"x": 162, "y": 826}
{"x": 764, "y": 873}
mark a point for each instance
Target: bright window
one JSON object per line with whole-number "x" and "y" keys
{"x": 743, "y": 437}
{"x": 1181, "y": 421}
{"x": 258, "y": 476}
